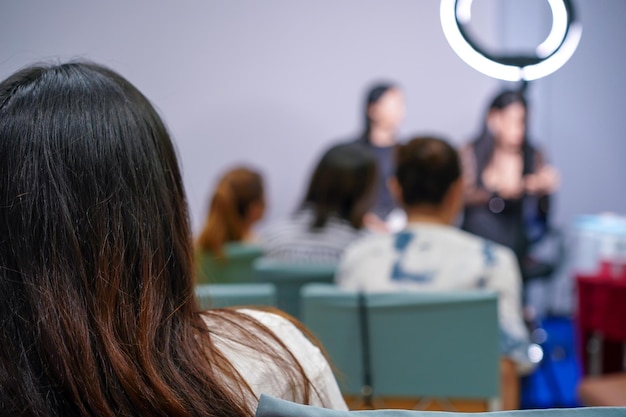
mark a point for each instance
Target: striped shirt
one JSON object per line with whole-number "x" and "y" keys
{"x": 292, "y": 240}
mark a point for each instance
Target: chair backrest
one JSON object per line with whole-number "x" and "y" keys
{"x": 274, "y": 407}
{"x": 235, "y": 267}
{"x": 438, "y": 344}
{"x": 289, "y": 279}
{"x": 230, "y": 295}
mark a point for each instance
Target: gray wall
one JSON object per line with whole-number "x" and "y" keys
{"x": 272, "y": 82}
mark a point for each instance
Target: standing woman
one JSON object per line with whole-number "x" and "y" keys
{"x": 384, "y": 112}
{"x": 98, "y": 315}
{"x": 507, "y": 181}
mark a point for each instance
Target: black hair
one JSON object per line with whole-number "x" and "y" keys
{"x": 485, "y": 144}
{"x": 98, "y": 315}
{"x": 342, "y": 185}
{"x": 426, "y": 168}
{"x": 374, "y": 93}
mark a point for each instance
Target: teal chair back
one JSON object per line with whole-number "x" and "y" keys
{"x": 235, "y": 267}
{"x": 289, "y": 280}
{"x": 231, "y": 295}
{"x": 274, "y": 407}
{"x": 437, "y": 345}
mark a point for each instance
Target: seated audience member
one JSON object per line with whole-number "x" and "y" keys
{"x": 432, "y": 255}
{"x": 331, "y": 216}
{"x": 98, "y": 315}
{"x": 237, "y": 204}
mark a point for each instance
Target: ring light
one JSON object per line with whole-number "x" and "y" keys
{"x": 550, "y": 55}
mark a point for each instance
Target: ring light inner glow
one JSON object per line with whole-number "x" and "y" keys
{"x": 558, "y": 31}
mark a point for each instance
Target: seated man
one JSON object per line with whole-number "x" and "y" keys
{"x": 431, "y": 254}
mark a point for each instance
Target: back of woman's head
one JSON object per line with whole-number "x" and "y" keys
{"x": 342, "y": 185}
{"x": 237, "y": 202}
{"x": 97, "y": 315}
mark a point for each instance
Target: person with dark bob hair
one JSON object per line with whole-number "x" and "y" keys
{"x": 431, "y": 254}
{"x": 98, "y": 315}
{"x": 332, "y": 213}
{"x": 507, "y": 180}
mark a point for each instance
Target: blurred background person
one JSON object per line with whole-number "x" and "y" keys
{"x": 384, "y": 113}
{"x": 237, "y": 204}
{"x": 99, "y": 316}
{"x": 431, "y": 254}
{"x": 507, "y": 181}
{"x": 331, "y": 216}
{"x": 227, "y": 246}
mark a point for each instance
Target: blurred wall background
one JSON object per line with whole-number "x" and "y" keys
{"x": 272, "y": 83}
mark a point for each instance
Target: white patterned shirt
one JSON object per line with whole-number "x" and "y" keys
{"x": 433, "y": 257}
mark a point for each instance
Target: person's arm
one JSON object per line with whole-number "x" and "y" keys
{"x": 502, "y": 186}
{"x": 505, "y": 278}
{"x": 473, "y": 194}
{"x": 545, "y": 178}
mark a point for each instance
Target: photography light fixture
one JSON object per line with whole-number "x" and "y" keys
{"x": 549, "y": 56}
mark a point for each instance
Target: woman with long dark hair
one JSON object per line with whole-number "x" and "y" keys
{"x": 98, "y": 315}
{"x": 507, "y": 181}
{"x": 332, "y": 212}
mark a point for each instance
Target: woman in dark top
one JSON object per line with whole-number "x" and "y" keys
{"x": 384, "y": 111}
{"x": 507, "y": 182}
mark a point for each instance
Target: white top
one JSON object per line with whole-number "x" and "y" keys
{"x": 432, "y": 257}
{"x": 263, "y": 375}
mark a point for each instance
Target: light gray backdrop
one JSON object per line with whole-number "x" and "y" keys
{"x": 273, "y": 82}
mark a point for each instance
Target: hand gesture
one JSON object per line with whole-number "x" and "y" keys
{"x": 544, "y": 181}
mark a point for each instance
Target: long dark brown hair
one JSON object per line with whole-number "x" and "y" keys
{"x": 97, "y": 314}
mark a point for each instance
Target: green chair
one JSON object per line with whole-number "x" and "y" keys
{"x": 274, "y": 407}
{"x": 289, "y": 279}
{"x": 412, "y": 344}
{"x": 230, "y": 295}
{"x": 235, "y": 267}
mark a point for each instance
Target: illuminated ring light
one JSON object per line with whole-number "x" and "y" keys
{"x": 549, "y": 56}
